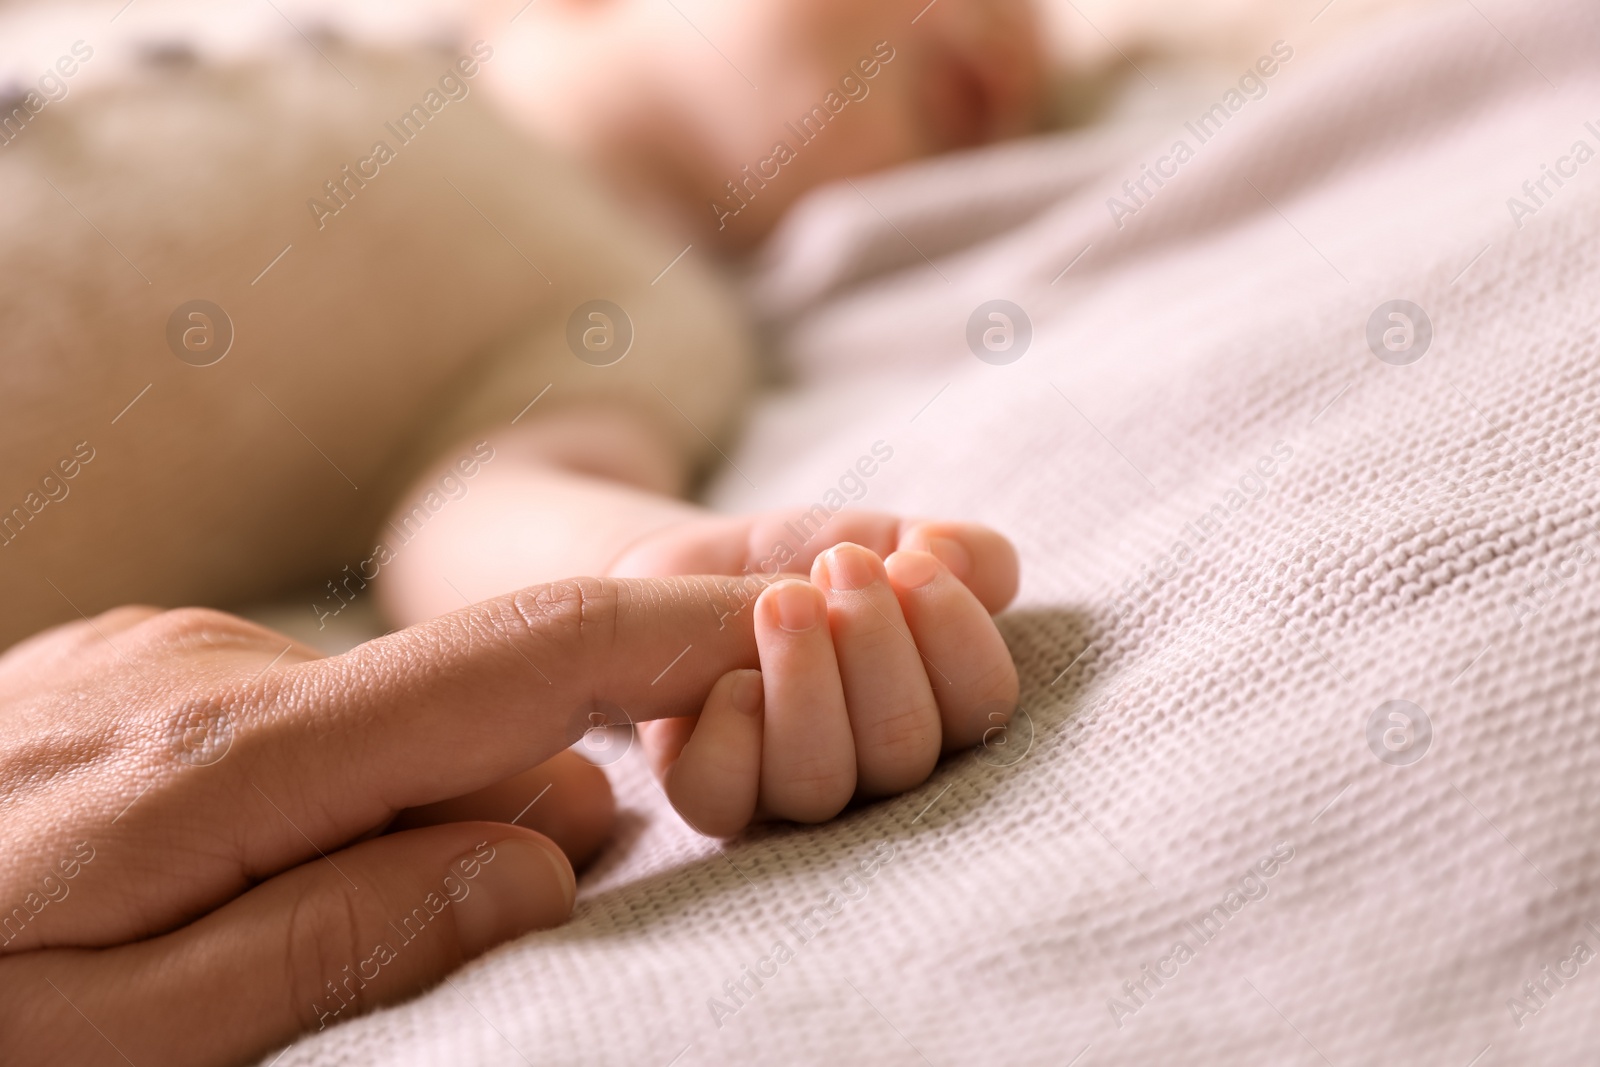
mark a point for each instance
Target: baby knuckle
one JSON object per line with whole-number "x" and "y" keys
{"x": 911, "y": 734}
{"x": 720, "y": 824}
{"x": 993, "y": 681}
{"x": 813, "y": 806}
{"x": 813, "y": 793}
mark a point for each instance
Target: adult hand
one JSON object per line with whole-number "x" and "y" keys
{"x": 190, "y": 866}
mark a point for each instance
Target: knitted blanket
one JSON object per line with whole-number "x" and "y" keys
{"x": 1294, "y": 427}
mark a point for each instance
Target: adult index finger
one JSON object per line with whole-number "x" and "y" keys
{"x": 455, "y": 704}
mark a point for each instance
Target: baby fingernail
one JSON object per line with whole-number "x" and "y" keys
{"x": 849, "y": 567}
{"x": 503, "y": 890}
{"x": 797, "y": 606}
{"x": 912, "y": 570}
{"x": 953, "y": 554}
{"x": 748, "y": 693}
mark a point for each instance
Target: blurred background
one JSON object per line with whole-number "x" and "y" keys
{"x": 1100, "y": 47}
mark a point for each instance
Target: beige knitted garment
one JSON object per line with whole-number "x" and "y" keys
{"x": 1213, "y": 838}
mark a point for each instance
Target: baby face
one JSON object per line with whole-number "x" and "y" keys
{"x": 963, "y": 72}
{"x": 734, "y": 108}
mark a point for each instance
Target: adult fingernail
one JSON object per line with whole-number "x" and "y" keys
{"x": 797, "y": 606}
{"x": 849, "y": 567}
{"x": 748, "y": 693}
{"x": 953, "y": 554}
{"x": 518, "y": 885}
{"x": 912, "y": 570}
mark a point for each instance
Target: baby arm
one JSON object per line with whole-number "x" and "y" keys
{"x": 561, "y": 495}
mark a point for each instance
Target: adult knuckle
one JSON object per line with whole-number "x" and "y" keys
{"x": 321, "y": 937}
{"x": 32, "y": 1016}
{"x": 186, "y": 628}
{"x": 78, "y": 637}
{"x": 576, "y": 614}
{"x": 120, "y": 618}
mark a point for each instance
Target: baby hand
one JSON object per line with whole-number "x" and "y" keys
{"x": 869, "y": 671}
{"x": 789, "y": 542}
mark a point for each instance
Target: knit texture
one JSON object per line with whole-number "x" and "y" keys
{"x": 1194, "y": 763}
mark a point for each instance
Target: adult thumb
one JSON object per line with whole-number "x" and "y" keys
{"x": 319, "y": 944}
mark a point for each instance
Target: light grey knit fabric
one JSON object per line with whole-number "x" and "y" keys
{"x": 1203, "y": 762}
